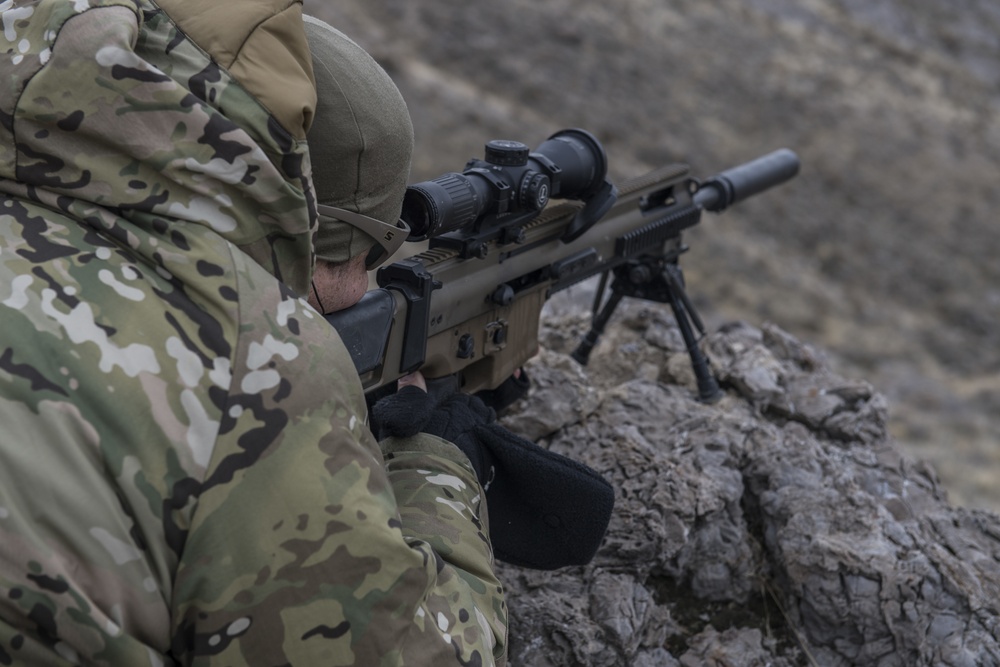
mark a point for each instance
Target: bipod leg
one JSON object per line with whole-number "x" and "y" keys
{"x": 600, "y": 320}
{"x": 685, "y": 314}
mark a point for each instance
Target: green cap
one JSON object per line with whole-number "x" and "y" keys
{"x": 360, "y": 142}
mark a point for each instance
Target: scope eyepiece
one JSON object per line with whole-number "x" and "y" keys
{"x": 510, "y": 182}
{"x": 448, "y": 202}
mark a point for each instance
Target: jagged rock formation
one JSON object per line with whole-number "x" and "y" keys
{"x": 779, "y": 526}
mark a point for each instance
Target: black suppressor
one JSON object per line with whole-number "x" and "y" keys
{"x": 510, "y": 181}
{"x": 746, "y": 180}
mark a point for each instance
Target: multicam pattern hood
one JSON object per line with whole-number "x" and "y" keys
{"x": 109, "y": 108}
{"x": 186, "y": 475}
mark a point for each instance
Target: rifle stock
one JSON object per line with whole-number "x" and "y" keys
{"x": 445, "y": 314}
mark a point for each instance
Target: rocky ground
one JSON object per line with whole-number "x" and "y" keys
{"x": 882, "y": 252}
{"x": 780, "y": 526}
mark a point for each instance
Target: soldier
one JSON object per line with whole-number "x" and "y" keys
{"x": 186, "y": 472}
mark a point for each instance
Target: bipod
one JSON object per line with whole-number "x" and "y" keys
{"x": 661, "y": 281}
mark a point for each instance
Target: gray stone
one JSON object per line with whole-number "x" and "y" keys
{"x": 778, "y": 525}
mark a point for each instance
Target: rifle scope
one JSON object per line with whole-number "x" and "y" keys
{"x": 509, "y": 182}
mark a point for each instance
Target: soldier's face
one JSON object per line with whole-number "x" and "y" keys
{"x": 338, "y": 286}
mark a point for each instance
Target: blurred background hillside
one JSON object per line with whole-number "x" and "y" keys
{"x": 883, "y": 252}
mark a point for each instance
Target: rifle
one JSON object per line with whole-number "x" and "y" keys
{"x": 468, "y": 307}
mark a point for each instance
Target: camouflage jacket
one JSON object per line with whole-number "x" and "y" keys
{"x": 186, "y": 474}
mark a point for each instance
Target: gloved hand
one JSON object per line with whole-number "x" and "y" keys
{"x": 509, "y": 392}
{"x": 452, "y": 417}
{"x": 545, "y": 511}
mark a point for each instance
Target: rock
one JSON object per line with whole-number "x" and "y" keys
{"x": 568, "y": 397}
{"x": 779, "y": 525}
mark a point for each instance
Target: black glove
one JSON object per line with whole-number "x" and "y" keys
{"x": 509, "y": 392}
{"x": 453, "y": 417}
{"x": 545, "y": 511}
